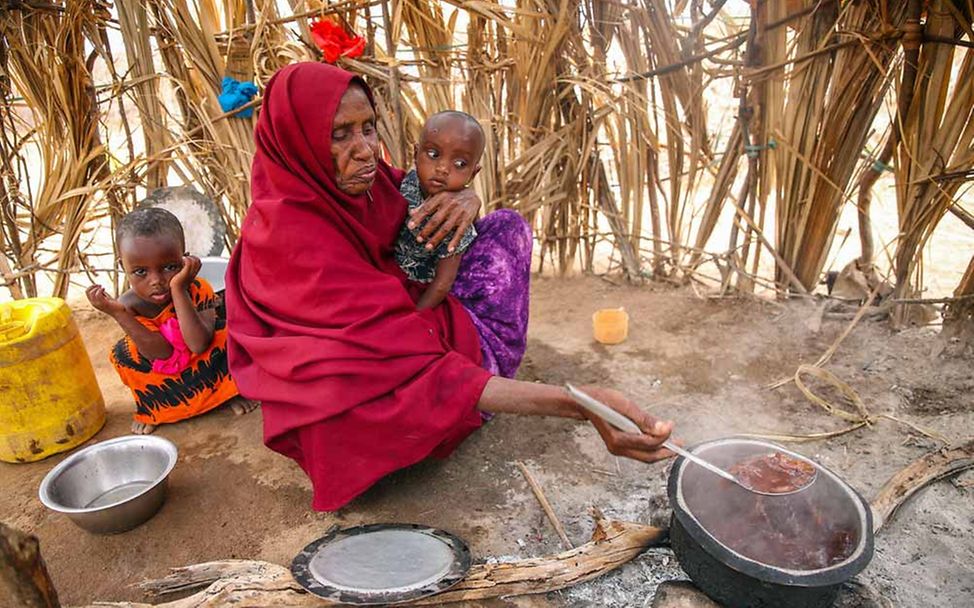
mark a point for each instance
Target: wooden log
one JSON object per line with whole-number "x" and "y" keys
{"x": 244, "y": 584}
{"x": 23, "y": 575}
{"x": 613, "y": 543}
{"x": 927, "y": 469}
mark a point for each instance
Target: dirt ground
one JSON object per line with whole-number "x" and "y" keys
{"x": 703, "y": 363}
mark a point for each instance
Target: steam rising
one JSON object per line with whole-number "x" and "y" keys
{"x": 815, "y": 528}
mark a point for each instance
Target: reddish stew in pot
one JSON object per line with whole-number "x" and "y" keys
{"x": 793, "y": 531}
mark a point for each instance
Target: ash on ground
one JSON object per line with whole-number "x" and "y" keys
{"x": 634, "y": 584}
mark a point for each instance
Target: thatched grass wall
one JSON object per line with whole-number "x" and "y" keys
{"x": 603, "y": 121}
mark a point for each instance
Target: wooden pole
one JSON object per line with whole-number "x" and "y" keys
{"x": 911, "y": 59}
{"x": 23, "y": 576}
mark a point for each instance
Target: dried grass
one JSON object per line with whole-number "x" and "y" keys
{"x": 936, "y": 147}
{"x": 820, "y": 114}
{"x": 45, "y": 60}
{"x": 595, "y": 113}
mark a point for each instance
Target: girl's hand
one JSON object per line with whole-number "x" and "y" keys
{"x": 447, "y": 211}
{"x": 644, "y": 447}
{"x": 185, "y": 276}
{"x": 100, "y": 299}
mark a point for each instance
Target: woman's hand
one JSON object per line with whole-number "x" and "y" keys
{"x": 447, "y": 212}
{"x": 185, "y": 276}
{"x": 503, "y": 395}
{"x": 100, "y": 299}
{"x": 644, "y": 447}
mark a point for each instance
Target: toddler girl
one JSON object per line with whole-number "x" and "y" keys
{"x": 173, "y": 357}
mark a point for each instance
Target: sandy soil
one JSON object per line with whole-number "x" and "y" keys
{"x": 702, "y": 363}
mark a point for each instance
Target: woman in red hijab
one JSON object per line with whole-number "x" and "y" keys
{"x": 354, "y": 381}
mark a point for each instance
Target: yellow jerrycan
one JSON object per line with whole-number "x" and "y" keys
{"x": 49, "y": 397}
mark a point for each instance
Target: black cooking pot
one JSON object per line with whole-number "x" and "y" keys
{"x": 744, "y": 565}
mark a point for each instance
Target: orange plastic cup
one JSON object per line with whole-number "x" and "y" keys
{"x": 610, "y": 325}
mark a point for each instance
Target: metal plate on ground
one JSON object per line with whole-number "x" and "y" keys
{"x": 381, "y": 564}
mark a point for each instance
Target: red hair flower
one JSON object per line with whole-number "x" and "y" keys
{"x": 334, "y": 41}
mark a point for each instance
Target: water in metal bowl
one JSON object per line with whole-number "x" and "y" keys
{"x": 111, "y": 486}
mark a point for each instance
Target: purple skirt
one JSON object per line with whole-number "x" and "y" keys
{"x": 493, "y": 284}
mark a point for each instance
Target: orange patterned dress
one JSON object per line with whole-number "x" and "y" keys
{"x": 202, "y": 385}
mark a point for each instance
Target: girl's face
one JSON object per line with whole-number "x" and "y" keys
{"x": 354, "y": 143}
{"x": 150, "y": 262}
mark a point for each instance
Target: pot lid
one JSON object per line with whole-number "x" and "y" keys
{"x": 381, "y": 564}
{"x": 203, "y": 225}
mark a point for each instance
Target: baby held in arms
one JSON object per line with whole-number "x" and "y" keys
{"x": 447, "y": 159}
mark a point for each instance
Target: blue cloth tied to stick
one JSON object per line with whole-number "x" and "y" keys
{"x": 235, "y": 94}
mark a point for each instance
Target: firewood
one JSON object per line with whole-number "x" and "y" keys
{"x": 252, "y": 584}
{"x": 934, "y": 466}
{"x": 23, "y": 576}
{"x": 545, "y": 505}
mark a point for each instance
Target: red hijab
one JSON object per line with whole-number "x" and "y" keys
{"x": 324, "y": 331}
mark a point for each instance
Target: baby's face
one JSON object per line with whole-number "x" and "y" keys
{"x": 448, "y": 155}
{"x": 150, "y": 263}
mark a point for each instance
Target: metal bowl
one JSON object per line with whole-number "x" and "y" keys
{"x": 214, "y": 269}
{"x": 111, "y": 486}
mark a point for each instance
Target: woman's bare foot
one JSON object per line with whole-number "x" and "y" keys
{"x": 241, "y": 406}
{"x": 141, "y": 428}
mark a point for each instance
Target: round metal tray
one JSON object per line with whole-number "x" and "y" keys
{"x": 203, "y": 225}
{"x": 381, "y": 564}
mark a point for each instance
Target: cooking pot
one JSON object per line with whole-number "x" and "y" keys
{"x": 747, "y": 550}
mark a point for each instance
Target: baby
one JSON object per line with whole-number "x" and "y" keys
{"x": 173, "y": 357}
{"x": 447, "y": 159}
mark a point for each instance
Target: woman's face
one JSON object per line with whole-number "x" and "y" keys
{"x": 354, "y": 143}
